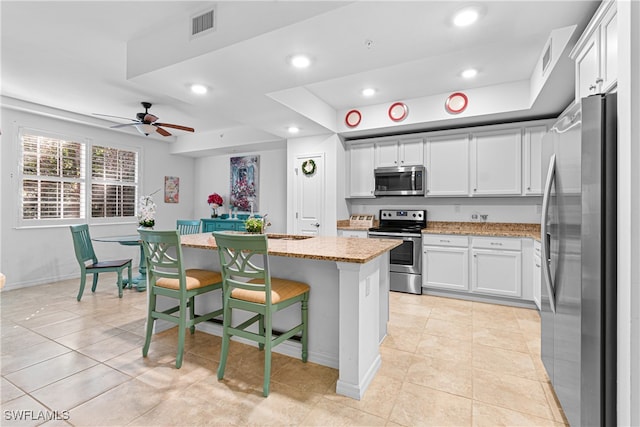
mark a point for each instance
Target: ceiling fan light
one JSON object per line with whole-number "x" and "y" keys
{"x": 199, "y": 89}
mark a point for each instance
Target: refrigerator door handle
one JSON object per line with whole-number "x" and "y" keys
{"x": 545, "y": 236}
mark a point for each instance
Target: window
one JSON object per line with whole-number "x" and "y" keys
{"x": 54, "y": 179}
{"x": 113, "y": 182}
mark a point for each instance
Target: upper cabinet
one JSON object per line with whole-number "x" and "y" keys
{"x": 596, "y": 53}
{"x": 496, "y": 162}
{"x": 361, "y": 166}
{"x": 404, "y": 152}
{"x": 448, "y": 165}
{"x": 532, "y": 160}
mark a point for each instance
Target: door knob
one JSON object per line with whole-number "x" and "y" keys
{"x": 316, "y": 224}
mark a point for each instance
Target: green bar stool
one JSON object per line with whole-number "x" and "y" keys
{"x": 167, "y": 276}
{"x": 248, "y": 287}
{"x": 188, "y": 226}
{"x": 89, "y": 263}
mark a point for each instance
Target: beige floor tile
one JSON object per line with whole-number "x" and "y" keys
{"x": 417, "y": 310}
{"x": 19, "y": 343}
{"x": 504, "y": 317}
{"x": 118, "y": 406}
{"x": 133, "y": 364}
{"x": 329, "y": 413}
{"x": 407, "y": 319}
{"x": 405, "y": 338}
{"x": 114, "y": 346}
{"x": 379, "y": 398}
{"x": 31, "y": 355}
{"x": 395, "y": 363}
{"x": 504, "y": 362}
{"x": 527, "y": 314}
{"x": 167, "y": 378}
{"x": 445, "y": 375}
{"x": 44, "y": 316}
{"x": 445, "y": 348}
{"x": 485, "y": 415}
{"x": 449, "y": 329}
{"x": 89, "y": 337}
{"x": 554, "y": 404}
{"x": 462, "y": 315}
{"x": 500, "y": 338}
{"x": 423, "y": 406}
{"x": 69, "y": 392}
{"x": 530, "y": 326}
{"x": 50, "y": 371}
{"x": 9, "y": 391}
{"x": 25, "y": 411}
{"x": 508, "y": 391}
{"x": 67, "y": 327}
{"x": 284, "y": 406}
{"x": 304, "y": 376}
{"x": 10, "y": 329}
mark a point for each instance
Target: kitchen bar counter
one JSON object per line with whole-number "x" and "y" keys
{"x": 348, "y": 302}
{"x": 319, "y": 248}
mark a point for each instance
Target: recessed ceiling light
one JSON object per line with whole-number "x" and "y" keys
{"x": 199, "y": 89}
{"x": 293, "y": 129}
{"x": 466, "y": 16}
{"x": 369, "y": 91}
{"x": 300, "y": 61}
{"x": 469, "y": 73}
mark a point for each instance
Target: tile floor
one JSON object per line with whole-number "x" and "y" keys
{"x": 444, "y": 362}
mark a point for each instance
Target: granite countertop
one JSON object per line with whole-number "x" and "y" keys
{"x": 342, "y": 249}
{"x": 499, "y": 229}
{"x": 345, "y": 224}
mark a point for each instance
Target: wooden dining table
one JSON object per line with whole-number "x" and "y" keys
{"x": 140, "y": 281}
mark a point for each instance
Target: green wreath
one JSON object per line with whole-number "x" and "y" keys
{"x": 308, "y": 167}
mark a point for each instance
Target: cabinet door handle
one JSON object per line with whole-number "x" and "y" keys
{"x": 445, "y": 241}
{"x": 496, "y": 244}
{"x": 592, "y": 87}
{"x": 599, "y": 80}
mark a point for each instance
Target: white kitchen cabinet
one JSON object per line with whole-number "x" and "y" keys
{"x": 445, "y": 262}
{"x": 353, "y": 233}
{"x": 537, "y": 274}
{"x": 448, "y": 165}
{"x": 361, "y": 166}
{"x": 496, "y": 266}
{"x": 596, "y": 53}
{"x": 496, "y": 162}
{"x": 405, "y": 152}
{"x": 532, "y": 160}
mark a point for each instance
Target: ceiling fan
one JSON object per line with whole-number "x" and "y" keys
{"x": 146, "y": 122}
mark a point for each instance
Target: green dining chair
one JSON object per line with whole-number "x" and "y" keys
{"x": 247, "y": 286}
{"x": 188, "y": 226}
{"x": 167, "y": 277}
{"x": 89, "y": 263}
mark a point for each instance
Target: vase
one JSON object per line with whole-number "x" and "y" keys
{"x": 214, "y": 211}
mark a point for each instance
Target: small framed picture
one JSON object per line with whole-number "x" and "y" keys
{"x": 171, "y": 189}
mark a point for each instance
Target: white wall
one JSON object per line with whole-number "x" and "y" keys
{"x": 213, "y": 175}
{"x": 31, "y": 256}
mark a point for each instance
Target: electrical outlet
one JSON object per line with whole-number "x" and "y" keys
{"x": 484, "y": 217}
{"x": 474, "y": 217}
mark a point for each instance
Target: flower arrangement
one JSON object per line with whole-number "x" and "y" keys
{"x": 147, "y": 211}
{"x": 254, "y": 225}
{"x": 215, "y": 201}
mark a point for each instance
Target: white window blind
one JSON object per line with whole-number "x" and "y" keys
{"x": 114, "y": 181}
{"x": 53, "y": 177}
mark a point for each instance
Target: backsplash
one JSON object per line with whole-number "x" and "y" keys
{"x": 519, "y": 210}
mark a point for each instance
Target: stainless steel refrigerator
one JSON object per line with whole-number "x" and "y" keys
{"x": 579, "y": 276}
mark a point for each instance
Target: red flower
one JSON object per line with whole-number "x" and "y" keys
{"x": 215, "y": 199}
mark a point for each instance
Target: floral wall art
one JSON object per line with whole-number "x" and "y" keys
{"x": 244, "y": 182}
{"x": 171, "y": 189}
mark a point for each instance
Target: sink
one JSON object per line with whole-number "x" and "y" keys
{"x": 287, "y": 237}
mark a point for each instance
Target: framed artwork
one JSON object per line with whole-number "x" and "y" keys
{"x": 244, "y": 182}
{"x": 171, "y": 189}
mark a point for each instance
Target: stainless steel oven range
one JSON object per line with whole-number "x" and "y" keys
{"x": 405, "y": 263}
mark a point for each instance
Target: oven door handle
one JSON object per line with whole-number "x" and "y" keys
{"x": 404, "y": 236}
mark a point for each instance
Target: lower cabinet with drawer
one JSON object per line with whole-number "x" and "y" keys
{"x": 475, "y": 267}
{"x": 209, "y": 225}
{"x": 353, "y": 233}
{"x": 445, "y": 262}
{"x": 496, "y": 266}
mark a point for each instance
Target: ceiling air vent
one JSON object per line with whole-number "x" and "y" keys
{"x": 546, "y": 58}
{"x": 203, "y": 23}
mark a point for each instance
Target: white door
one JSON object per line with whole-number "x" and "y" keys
{"x": 309, "y": 194}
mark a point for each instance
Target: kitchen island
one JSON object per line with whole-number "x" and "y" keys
{"x": 348, "y": 303}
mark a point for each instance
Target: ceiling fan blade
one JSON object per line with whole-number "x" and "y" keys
{"x": 116, "y": 117}
{"x": 169, "y": 125}
{"x": 124, "y": 125}
{"x": 162, "y": 131}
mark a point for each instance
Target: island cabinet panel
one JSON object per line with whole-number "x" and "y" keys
{"x": 496, "y": 266}
{"x": 361, "y": 166}
{"x": 353, "y": 233}
{"x": 448, "y": 165}
{"x": 445, "y": 262}
{"x": 496, "y": 161}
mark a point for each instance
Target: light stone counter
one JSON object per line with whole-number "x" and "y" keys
{"x": 348, "y": 302}
{"x": 498, "y": 229}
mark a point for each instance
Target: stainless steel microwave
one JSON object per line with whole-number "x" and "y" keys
{"x": 400, "y": 181}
